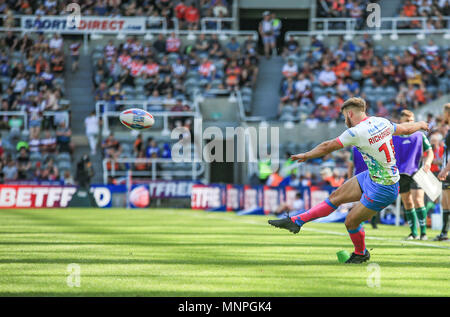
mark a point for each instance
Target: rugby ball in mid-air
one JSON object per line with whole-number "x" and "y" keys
{"x": 136, "y": 119}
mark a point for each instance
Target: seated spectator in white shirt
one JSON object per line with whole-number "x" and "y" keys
{"x": 327, "y": 77}
{"x": 302, "y": 83}
{"x": 56, "y": 42}
{"x": 325, "y": 100}
{"x": 290, "y": 69}
{"x": 431, "y": 50}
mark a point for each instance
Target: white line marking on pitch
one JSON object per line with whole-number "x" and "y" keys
{"x": 333, "y": 232}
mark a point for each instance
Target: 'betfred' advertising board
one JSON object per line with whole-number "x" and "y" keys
{"x": 28, "y": 196}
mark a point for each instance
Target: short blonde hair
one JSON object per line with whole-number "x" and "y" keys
{"x": 407, "y": 113}
{"x": 354, "y": 102}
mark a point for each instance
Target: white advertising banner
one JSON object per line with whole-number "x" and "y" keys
{"x": 92, "y": 24}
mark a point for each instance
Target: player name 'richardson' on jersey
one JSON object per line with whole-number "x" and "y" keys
{"x": 373, "y": 139}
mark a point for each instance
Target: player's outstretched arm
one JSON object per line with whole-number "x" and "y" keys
{"x": 408, "y": 128}
{"x": 322, "y": 149}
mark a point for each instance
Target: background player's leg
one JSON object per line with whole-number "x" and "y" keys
{"x": 346, "y": 193}
{"x": 446, "y": 215}
{"x": 418, "y": 196}
{"x": 357, "y": 215}
{"x": 410, "y": 213}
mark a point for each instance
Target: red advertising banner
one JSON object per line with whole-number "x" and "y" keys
{"x": 28, "y": 196}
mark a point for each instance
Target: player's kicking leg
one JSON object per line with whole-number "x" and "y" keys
{"x": 348, "y": 192}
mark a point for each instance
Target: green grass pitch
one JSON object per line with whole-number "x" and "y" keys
{"x": 168, "y": 252}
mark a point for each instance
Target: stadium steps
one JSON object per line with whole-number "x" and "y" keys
{"x": 265, "y": 96}
{"x": 435, "y": 107}
{"x": 390, "y": 8}
{"x": 79, "y": 90}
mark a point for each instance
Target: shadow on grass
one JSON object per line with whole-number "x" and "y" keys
{"x": 221, "y": 261}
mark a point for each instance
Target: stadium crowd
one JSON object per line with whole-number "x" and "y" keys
{"x": 165, "y": 73}
{"x": 32, "y": 83}
{"x": 318, "y": 79}
{"x": 343, "y": 9}
{"x": 432, "y": 10}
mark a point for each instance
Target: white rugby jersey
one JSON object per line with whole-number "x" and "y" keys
{"x": 373, "y": 139}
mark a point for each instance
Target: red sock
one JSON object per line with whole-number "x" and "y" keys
{"x": 358, "y": 235}
{"x": 321, "y": 210}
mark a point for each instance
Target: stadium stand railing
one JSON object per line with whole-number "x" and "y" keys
{"x": 161, "y": 168}
{"x": 388, "y": 25}
{"x": 64, "y": 114}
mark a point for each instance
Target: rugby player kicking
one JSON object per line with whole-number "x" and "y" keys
{"x": 375, "y": 188}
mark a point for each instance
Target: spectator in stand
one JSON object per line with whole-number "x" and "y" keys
{"x": 141, "y": 166}
{"x": 274, "y": 179}
{"x": 101, "y": 92}
{"x": 381, "y": 110}
{"x": 267, "y": 34}
{"x": 165, "y": 86}
{"x": 164, "y": 66}
{"x": 180, "y": 11}
{"x": 10, "y": 40}
{"x": 67, "y": 179}
{"x": 56, "y": 43}
{"x": 173, "y": 44}
{"x": 138, "y": 145}
{"x": 48, "y": 144}
{"x": 116, "y": 93}
{"x": 156, "y": 101}
{"x": 291, "y": 47}
{"x": 233, "y": 73}
{"x": 249, "y": 73}
{"x": 152, "y": 149}
{"x": 192, "y": 17}
{"x": 178, "y": 69}
{"x": 23, "y": 164}
{"x": 160, "y": 44}
{"x": 111, "y": 147}
{"x": 63, "y": 138}
{"x": 57, "y": 63}
{"x": 202, "y": 44}
{"x": 288, "y": 94}
{"x": 10, "y": 171}
{"x": 207, "y": 69}
{"x": 92, "y": 125}
{"x": 290, "y": 69}
{"x": 233, "y": 47}
{"x": 327, "y": 77}
{"x": 125, "y": 79}
{"x": 216, "y": 53}
{"x": 302, "y": 85}
{"x": 75, "y": 54}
